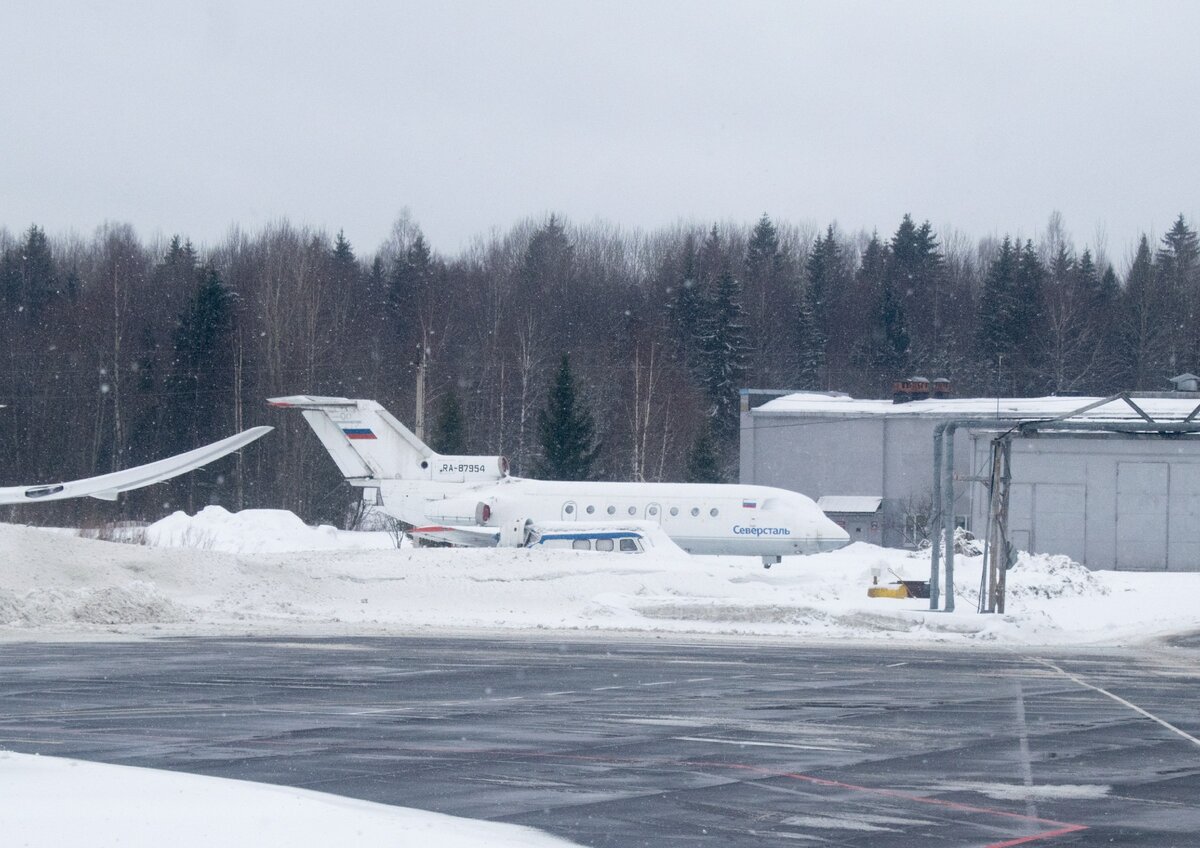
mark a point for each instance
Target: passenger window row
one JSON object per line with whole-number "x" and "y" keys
{"x": 651, "y": 510}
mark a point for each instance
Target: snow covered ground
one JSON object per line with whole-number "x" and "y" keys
{"x": 236, "y": 575}
{"x": 48, "y": 802}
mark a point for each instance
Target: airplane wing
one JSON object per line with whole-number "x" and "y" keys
{"x": 464, "y": 537}
{"x": 108, "y": 486}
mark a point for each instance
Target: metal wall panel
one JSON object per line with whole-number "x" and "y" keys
{"x": 1183, "y": 550}
{"x": 1141, "y": 518}
{"x": 1060, "y": 520}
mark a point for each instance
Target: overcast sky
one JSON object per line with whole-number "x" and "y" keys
{"x": 191, "y": 117}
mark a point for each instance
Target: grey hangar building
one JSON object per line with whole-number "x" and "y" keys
{"x": 1125, "y": 502}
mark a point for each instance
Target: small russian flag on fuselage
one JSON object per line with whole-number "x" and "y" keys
{"x": 358, "y": 432}
{"x": 749, "y": 504}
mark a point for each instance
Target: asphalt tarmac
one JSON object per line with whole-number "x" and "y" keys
{"x": 642, "y": 741}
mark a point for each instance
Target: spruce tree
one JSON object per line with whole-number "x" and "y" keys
{"x": 810, "y": 345}
{"x": 915, "y": 271}
{"x": 200, "y": 385}
{"x": 999, "y": 310}
{"x": 1144, "y": 322}
{"x": 823, "y": 272}
{"x": 687, "y": 306}
{"x": 883, "y": 351}
{"x": 29, "y": 279}
{"x": 723, "y": 350}
{"x": 1178, "y": 261}
{"x": 703, "y": 460}
{"x": 567, "y": 431}
{"x": 449, "y": 435}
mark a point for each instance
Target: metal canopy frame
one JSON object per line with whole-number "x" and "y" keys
{"x": 1145, "y": 426}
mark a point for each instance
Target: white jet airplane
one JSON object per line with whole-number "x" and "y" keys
{"x": 473, "y": 501}
{"x": 108, "y": 486}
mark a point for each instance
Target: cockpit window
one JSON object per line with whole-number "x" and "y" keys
{"x": 629, "y": 546}
{"x": 604, "y": 544}
{"x": 581, "y": 545}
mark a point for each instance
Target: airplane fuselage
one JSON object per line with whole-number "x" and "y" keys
{"x": 702, "y": 519}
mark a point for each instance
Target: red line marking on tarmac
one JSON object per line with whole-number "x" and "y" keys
{"x": 1060, "y": 828}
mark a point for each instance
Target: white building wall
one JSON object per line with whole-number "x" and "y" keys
{"x": 1108, "y": 503}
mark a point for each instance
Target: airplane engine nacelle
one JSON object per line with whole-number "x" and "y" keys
{"x": 467, "y": 468}
{"x": 515, "y": 533}
{"x": 459, "y": 511}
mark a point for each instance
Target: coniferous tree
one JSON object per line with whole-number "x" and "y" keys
{"x": 823, "y": 271}
{"x": 199, "y": 388}
{"x": 687, "y": 306}
{"x": 884, "y": 350}
{"x": 567, "y": 431}
{"x": 723, "y": 350}
{"x": 768, "y": 294}
{"x": 1030, "y": 312}
{"x": 1144, "y": 333}
{"x": 703, "y": 459}
{"x": 1178, "y": 262}
{"x": 449, "y": 435}
{"x": 810, "y": 346}
{"x": 29, "y": 279}
{"x": 999, "y": 311}
{"x": 915, "y": 273}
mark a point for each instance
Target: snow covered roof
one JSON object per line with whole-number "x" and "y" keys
{"x": 849, "y": 503}
{"x": 825, "y": 404}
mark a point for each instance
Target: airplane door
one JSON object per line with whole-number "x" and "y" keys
{"x": 654, "y": 513}
{"x": 568, "y": 511}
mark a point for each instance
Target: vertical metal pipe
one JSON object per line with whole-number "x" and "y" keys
{"x": 948, "y": 510}
{"x": 935, "y": 523}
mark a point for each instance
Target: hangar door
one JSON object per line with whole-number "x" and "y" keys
{"x": 1142, "y": 514}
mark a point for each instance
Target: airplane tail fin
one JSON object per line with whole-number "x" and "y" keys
{"x": 363, "y": 438}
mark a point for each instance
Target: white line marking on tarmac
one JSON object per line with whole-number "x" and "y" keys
{"x": 659, "y": 683}
{"x": 755, "y": 744}
{"x": 30, "y": 741}
{"x": 1189, "y": 737}
{"x": 1023, "y": 747}
{"x": 895, "y": 665}
{"x": 697, "y": 679}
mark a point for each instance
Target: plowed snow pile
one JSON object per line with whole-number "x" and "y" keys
{"x": 215, "y": 528}
{"x": 51, "y": 582}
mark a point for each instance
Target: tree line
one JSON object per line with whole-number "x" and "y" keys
{"x": 115, "y": 351}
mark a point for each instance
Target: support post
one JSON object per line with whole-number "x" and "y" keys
{"x": 935, "y": 523}
{"x": 948, "y": 510}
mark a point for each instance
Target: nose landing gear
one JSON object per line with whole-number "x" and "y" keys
{"x": 768, "y": 561}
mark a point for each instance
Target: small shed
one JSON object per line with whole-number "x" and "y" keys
{"x": 858, "y": 515}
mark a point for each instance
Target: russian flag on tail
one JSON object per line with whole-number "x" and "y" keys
{"x": 749, "y": 504}
{"x": 358, "y": 432}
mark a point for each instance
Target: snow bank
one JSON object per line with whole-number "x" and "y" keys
{"x": 214, "y": 528}
{"x": 47, "y": 802}
{"x": 51, "y": 582}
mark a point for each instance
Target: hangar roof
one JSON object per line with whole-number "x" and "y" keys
{"x": 836, "y": 404}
